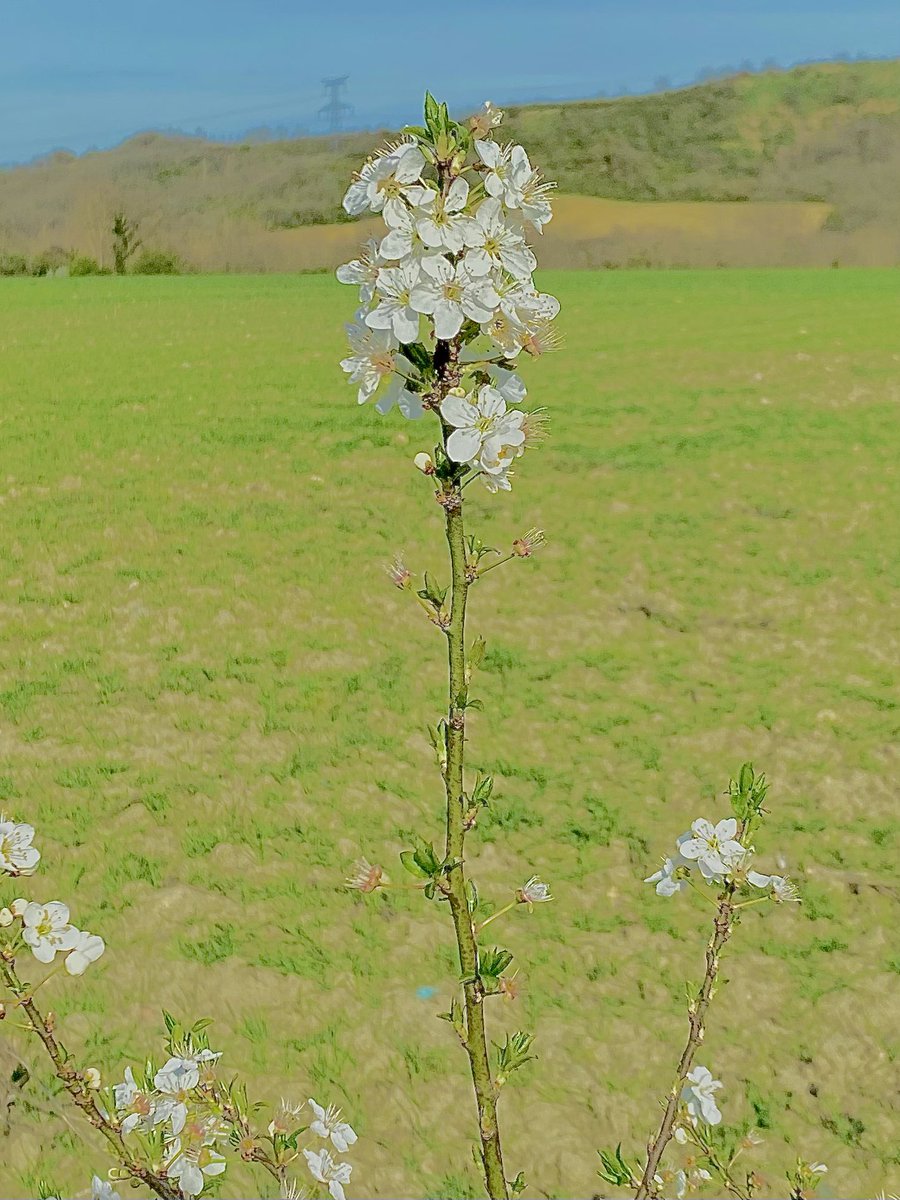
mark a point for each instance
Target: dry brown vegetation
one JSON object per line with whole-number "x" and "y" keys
{"x": 799, "y": 167}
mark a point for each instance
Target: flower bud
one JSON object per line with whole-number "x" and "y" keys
{"x": 92, "y": 1078}
{"x": 399, "y": 574}
{"x": 424, "y": 463}
{"x": 18, "y": 907}
{"x": 6, "y": 918}
{"x": 457, "y": 391}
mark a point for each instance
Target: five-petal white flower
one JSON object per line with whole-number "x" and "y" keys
{"x": 324, "y": 1169}
{"x": 450, "y": 294}
{"x": 393, "y": 177}
{"x": 47, "y": 930}
{"x": 442, "y": 224}
{"x": 17, "y": 855}
{"x": 328, "y": 1124}
{"x": 362, "y": 271}
{"x": 189, "y": 1166}
{"x": 394, "y": 310}
{"x": 712, "y": 847}
{"x": 482, "y": 426}
{"x": 493, "y": 242}
{"x": 87, "y": 949}
{"x": 699, "y": 1098}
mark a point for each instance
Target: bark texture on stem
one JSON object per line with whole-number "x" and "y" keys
{"x": 721, "y": 931}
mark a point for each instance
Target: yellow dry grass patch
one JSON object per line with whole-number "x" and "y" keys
{"x": 580, "y": 219}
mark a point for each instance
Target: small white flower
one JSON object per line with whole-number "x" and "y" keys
{"x": 6, "y": 918}
{"x": 451, "y": 294}
{"x": 699, "y": 1098}
{"x": 486, "y": 120}
{"x": 86, "y": 950}
{"x": 498, "y": 177}
{"x": 507, "y": 383}
{"x": 493, "y": 242}
{"x": 324, "y": 1169}
{"x": 392, "y": 178}
{"x": 17, "y": 855}
{"x": 47, "y": 930}
{"x": 783, "y": 889}
{"x": 712, "y": 847}
{"x": 17, "y": 908}
{"x": 680, "y": 1134}
{"x": 481, "y": 427}
{"x": 424, "y": 462}
{"x": 92, "y": 1078}
{"x": 394, "y": 311}
{"x": 506, "y": 331}
{"x": 499, "y": 481}
{"x": 375, "y": 358}
{"x": 528, "y": 191}
{"x": 403, "y": 242}
{"x": 328, "y": 1124}
{"x": 442, "y": 225}
{"x": 102, "y": 1189}
{"x": 136, "y": 1109}
{"x": 534, "y": 892}
{"x": 666, "y": 879}
{"x": 362, "y": 271}
{"x": 176, "y": 1079}
{"x": 189, "y": 1166}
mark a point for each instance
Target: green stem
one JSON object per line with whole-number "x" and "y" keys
{"x": 476, "y": 1037}
{"x": 499, "y": 913}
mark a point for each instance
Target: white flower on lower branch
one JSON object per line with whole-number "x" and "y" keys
{"x": 699, "y": 1098}
{"x": 47, "y": 930}
{"x": 482, "y": 427}
{"x": 324, "y": 1169}
{"x": 328, "y": 1124}
{"x": 17, "y": 855}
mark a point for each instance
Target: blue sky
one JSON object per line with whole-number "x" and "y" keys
{"x": 76, "y": 75}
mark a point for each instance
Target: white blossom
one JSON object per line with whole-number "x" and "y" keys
{"x": 189, "y": 1166}
{"x": 507, "y": 383}
{"x": 394, "y": 310}
{"x": 47, "y": 930}
{"x": 534, "y": 892}
{"x": 442, "y": 224}
{"x": 362, "y": 271}
{"x": 176, "y": 1079}
{"x": 493, "y": 242}
{"x": 137, "y": 1109}
{"x": 324, "y": 1169}
{"x": 699, "y": 1098}
{"x": 403, "y": 241}
{"x": 783, "y": 889}
{"x": 451, "y": 293}
{"x": 481, "y": 426}
{"x": 666, "y": 879}
{"x": 712, "y": 847}
{"x": 6, "y": 918}
{"x": 328, "y": 1124}
{"x": 102, "y": 1189}
{"x": 376, "y": 358}
{"x": 86, "y": 950}
{"x": 528, "y": 191}
{"x": 392, "y": 178}
{"x": 498, "y": 177}
{"x": 17, "y": 855}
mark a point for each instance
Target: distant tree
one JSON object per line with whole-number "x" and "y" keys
{"x": 158, "y": 262}
{"x": 125, "y": 241}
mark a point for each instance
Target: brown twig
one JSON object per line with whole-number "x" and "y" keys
{"x": 724, "y": 921}
{"x": 77, "y": 1088}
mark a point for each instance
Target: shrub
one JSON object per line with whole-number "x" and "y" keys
{"x": 158, "y": 262}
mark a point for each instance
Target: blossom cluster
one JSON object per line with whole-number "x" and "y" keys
{"x": 453, "y": 268}
{"x": 188, "y": 1117}
{"x": 44, "y": 928}
{"x": 720, "y": 857}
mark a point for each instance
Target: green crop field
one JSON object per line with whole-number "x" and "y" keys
{"x": 212, "y": 700}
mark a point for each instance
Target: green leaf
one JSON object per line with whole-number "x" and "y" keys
{"x": 408, "y": 860}
{"x": 483, "y": 789}
{"x": 476, "y": 653}
{"x": 615, "y": 1169}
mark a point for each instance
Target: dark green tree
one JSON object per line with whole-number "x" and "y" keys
{"x": 125, "y": 241}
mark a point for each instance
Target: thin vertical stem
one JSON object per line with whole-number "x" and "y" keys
{"x": 476, "y": 1038}
{"x": 697, "y": 1017}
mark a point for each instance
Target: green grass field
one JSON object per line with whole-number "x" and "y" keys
{"x": 212, "y": 700}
